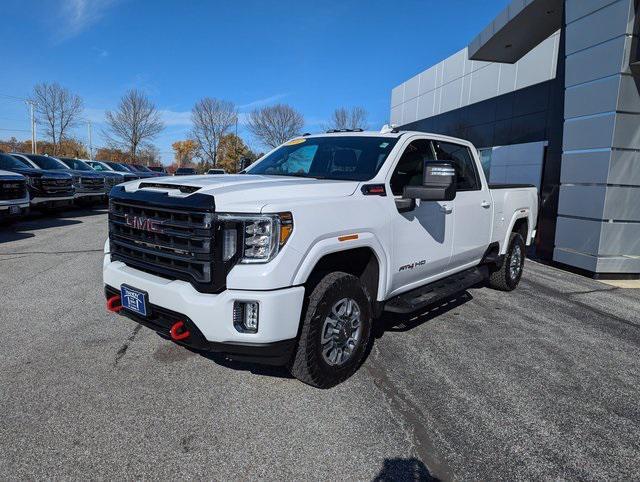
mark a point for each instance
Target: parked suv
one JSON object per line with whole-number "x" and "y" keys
{"x": 47, "y": 189}
{"x": 115, "y": 169}
{"x": 185, "y": 171}
{"x": 14, "y": 197}
{"x": 112, "y": 178}
{"x": 91, "y": 190}
{"x": 90, "y": 186}
{"x": 159, "y": 169}
{"x": 293, "y": 261}
{"x": 139, "y": 168}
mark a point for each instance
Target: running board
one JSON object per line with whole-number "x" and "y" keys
{"x": 426, "y": 295}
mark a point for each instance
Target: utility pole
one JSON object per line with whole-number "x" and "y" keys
{"x": 90, "y": 142}
{"x": 236, "y": 142}
{"x": 34, "y": 147}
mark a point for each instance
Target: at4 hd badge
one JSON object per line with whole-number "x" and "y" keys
{"x": 417, "y": 264}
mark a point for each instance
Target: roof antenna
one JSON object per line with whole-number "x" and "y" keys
{"x": 389, "y": 129}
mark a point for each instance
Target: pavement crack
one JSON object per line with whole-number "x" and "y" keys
{"x": 125, "y": 346}
{"x": 9, "y": 259}
{"x": 408, "y": 416}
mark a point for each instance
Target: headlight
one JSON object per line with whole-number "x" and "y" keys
{"x": 262, "y": 236}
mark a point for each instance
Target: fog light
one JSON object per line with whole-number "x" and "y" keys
{"x": 245, "y": 316}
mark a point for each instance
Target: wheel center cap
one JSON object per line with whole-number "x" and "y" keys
{"x": 343, "y": 335}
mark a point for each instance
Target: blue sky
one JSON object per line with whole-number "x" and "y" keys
{"x": 313, "y": 55}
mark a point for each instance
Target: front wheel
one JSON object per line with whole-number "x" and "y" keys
{"x": 508, "y": 276}
{"x": 336, "y": 331}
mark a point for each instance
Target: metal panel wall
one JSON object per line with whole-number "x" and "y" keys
{"x": 599, "y": 204}
{"x": 458, "y": 82}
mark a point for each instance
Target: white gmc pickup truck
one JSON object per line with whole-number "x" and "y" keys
{"x": 291, "y": 261}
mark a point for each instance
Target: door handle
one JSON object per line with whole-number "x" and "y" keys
{"x": 445, "y": 208}
{"x": 485, "y": 204}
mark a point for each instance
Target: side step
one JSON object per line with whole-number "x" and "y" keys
{"x": 418, "y": 298}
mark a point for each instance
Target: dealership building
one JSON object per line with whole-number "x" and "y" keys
{"x": 549, "y": 92}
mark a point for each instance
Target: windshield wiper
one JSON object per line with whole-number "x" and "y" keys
{"x": 295, "y": 174}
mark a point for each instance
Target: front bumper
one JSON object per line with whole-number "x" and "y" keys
{"x": 23, "y": 203}
{"x": 51, "y": 200}
{"x": 5, "y": 207}
{"x": 90, "y": 196}
{"x": 212, "y": 314}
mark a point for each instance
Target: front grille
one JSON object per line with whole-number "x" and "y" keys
{"x": 52, "y": 186}
{"x": 12, "y": 190}
{"x": 168, "y": 242}
{"x": 92, "y": 183}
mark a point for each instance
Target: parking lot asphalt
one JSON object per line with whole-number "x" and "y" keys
{"x": 543, "y": 382}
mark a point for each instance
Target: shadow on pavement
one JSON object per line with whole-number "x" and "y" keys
{"x": 256, "y": 369}
{"x": 400, "y": 323}
{"x": 404, "y": 469}
{"x": 35, "y": 220}
{"x": 22, "y": 229}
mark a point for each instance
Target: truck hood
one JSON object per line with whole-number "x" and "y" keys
{"x": 248, "y": 192}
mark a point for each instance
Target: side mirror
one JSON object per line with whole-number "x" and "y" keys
{"x": 438, "y": 183}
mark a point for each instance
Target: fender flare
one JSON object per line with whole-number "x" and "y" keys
{"x": 331, "y": 245}
{"x": 521, "y": 213}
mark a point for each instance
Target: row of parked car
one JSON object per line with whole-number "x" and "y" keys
{"x": 45, "y": 183}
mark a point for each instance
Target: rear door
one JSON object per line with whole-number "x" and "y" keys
{"x": 472, "y": 205}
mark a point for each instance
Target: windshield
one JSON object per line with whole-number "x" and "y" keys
{"x": 348, "y": 158}
{"x": 117, "y": 167}
{"x": 10, "y": 162}
{"x": 98, "y": 166}
{"x": 142, "y": 168}
{"x": 75, "y": 164}
{"x": 45, "y": 162}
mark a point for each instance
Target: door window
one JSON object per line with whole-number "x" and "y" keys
{"x": 409, "y": 169}
{"x": 460, "y": 156}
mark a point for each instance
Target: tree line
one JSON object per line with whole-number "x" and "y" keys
{"x": 136, "y": 122}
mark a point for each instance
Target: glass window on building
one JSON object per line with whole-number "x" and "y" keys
{"x": 485, "y": 160}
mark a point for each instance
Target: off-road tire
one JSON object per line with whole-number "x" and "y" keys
{"x": 308, "y": 364}
{"x": 502, "y": 278}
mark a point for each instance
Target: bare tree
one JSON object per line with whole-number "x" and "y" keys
{"x": 353, "y": 118}
{"x": 57, "y": 109}
{"x": 275, "y": 124}
{"x": 135, "y": 122}
{"x": 212, "y": 118}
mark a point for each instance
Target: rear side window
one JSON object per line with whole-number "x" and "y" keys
{"x": 466, "y": 174}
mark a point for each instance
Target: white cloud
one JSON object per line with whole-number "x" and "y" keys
{"x": 260, "y": 102}
{"x": 176, "y": 118}
{"x": 78, "y": 15}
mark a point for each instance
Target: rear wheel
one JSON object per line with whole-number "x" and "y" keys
{"x": 508, "y": 276}
{"x": 336, "y": 331}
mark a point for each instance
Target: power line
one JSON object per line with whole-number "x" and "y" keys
{"x": 13, "y": 120}
{"x": 15, "y": 130}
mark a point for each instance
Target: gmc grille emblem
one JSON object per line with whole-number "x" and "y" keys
{"x": 144, "y": 224}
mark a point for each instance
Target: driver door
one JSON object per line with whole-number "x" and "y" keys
{"x": 423, "y": 232}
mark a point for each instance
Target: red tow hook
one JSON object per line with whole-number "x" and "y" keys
{"x": 177, "y": 332}
{"x": 113, "y": 304}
